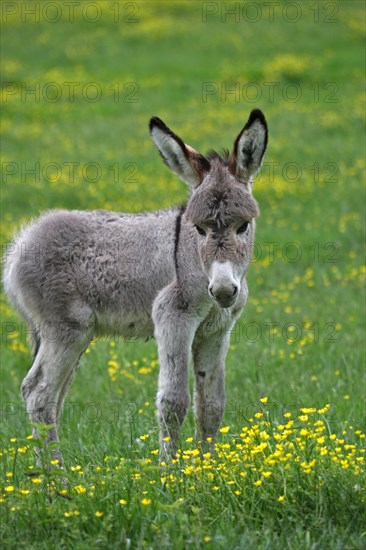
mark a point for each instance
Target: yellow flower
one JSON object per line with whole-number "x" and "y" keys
{"x": 264, "y": 400}
{"x": 281, "y": 498}
{"x": 99, "y": 514}
{"x": 189, "y": 439}
{"x": 167, "y": 438}
{"x": 9, "y": 488}
{"x": 36, "y": 480}
{"x": 207, "y": 538}
{"x": 144, "y": 437}
{"x": 80, "y": 489}
{"x": 123, "y": 502}
{"x": 258, "y": 483}
{"x": 146, "y": 501}
{"x": 144, "y": 370}
{"x": 324, "y": 410}
{"x": 224, "y": 430}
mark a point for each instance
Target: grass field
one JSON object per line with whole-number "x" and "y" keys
{"x": 77, "y": 96}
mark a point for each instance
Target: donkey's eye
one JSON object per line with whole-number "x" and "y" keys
{"x": 243, "y": 228}
{"x": 200, "y": 230}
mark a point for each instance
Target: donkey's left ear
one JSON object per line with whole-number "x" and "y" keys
{"x": 182, "y": 159}
{"x": 249, "y": 148}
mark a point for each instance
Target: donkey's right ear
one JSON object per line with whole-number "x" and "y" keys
{"x": 182, "y": 159}
{"x": 249, "y": 148}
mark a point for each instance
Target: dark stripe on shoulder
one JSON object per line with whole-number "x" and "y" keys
{"x": 178, "y": 223}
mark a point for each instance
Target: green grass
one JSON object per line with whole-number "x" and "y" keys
{"x": 300, "y": 340}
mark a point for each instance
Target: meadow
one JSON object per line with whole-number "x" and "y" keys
{"x": 79, "y": 85}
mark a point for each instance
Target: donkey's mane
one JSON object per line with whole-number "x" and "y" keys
{"x": 223, "y": 157}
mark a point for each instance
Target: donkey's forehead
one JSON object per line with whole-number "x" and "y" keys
{"x": 223, "y": 202}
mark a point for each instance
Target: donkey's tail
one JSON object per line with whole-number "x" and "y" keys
{"x": 14, "y": 291}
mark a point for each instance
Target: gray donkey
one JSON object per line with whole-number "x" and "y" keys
{"x": 176, "y": 274}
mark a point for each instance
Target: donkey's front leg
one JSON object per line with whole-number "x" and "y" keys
{"x": 174, "y": 332}
{"x": 209, "y": 354}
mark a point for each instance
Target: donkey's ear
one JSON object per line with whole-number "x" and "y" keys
{"x": 249, "y": 147}
{"x": 187, "y": 163}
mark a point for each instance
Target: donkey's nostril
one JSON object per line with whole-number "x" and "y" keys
{"x": 210, "y": 291}
{"x": 235, "y": 290}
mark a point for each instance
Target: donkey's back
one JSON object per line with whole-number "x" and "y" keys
{"x": 98, "y": 269}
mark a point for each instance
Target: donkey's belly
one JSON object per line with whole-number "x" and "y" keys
{"x": 127, "y": 312}
{"x": 126, "y": 326}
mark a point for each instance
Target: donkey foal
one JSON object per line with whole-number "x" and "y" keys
{"x": 177, "y": 274}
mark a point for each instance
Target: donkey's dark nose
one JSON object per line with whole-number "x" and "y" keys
{"x": 225, "y": 296}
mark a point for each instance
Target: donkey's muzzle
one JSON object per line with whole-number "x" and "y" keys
{"x": 224, "y": 296}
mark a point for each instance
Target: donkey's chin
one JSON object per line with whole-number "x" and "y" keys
{"x": 224, "y": 302}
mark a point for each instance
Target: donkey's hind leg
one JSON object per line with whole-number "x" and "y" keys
{"x": 47, "y": 381}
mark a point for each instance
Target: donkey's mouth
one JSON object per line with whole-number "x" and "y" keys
{"x": 225, "y": 304}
